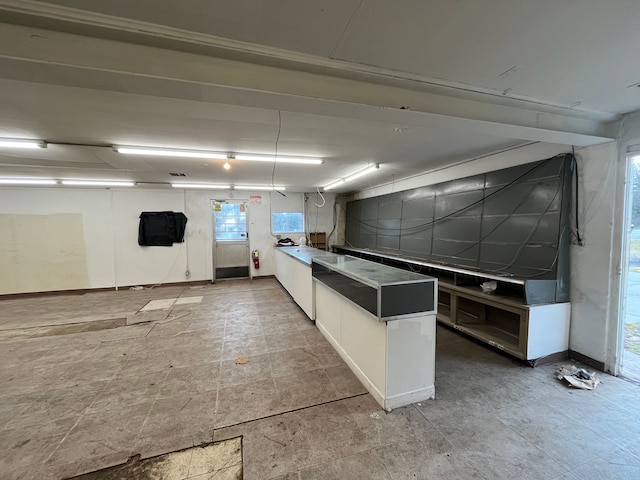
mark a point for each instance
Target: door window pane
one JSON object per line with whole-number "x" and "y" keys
{"x": 231, "y": 221}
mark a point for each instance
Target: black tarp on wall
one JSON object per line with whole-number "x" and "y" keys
{"x": 161, "y": 229}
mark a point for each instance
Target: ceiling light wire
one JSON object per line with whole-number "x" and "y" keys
{"x": 275, "y": 159}
{"x": 322, "y": 197}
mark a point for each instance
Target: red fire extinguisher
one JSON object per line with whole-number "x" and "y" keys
{"x": 256, "y": 259}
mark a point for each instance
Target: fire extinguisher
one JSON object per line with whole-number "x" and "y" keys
{"x": 256, "y": 259}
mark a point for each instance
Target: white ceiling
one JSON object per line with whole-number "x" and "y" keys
{"x": 477, "y": 77}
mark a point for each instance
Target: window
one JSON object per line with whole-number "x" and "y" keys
{"x": 231, "y": 221}
{"x": 287, "y": 222}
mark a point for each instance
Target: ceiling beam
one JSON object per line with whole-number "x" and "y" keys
{"x": 46, "y": 56}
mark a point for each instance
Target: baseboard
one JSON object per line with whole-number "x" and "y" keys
{"x": 551, "y": 358}
{"x": 408, "y": 398}
{"x": 82, "y": 291}
{"x": 586, "y": 360}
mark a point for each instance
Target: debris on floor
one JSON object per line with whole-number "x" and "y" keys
{"x": 137, "y": 287}
{"x": 220, "y": 460}
{"x": 578, "y": 377}
{"x": 375, "y": 415}
{"x": 242, "y": 360}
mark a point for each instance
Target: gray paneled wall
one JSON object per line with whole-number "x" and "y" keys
{"x": 513, "y": 221}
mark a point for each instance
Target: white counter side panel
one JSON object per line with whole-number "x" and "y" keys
{"x": 410, "y": 360}
{"x": 328, "y": 312}
{"x": 364, "y": 338}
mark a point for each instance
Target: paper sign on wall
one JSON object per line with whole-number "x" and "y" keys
{"x": 217, "y": 207}
{"x": 255, "y": 199}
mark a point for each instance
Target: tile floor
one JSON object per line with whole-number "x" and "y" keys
{"x": 71, "y": 404}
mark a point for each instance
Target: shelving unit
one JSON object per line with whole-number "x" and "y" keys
{"x": 318, "y": 240}
{"x": 508, "y": 320}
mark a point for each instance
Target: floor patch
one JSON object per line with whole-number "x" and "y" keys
{"x": 162, "y": 304}
{"x": 65, "y": 329}
{"x": 185, "y": 300}
{"x": 221, "y": 460}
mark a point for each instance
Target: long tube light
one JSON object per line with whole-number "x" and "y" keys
{"x": 353, "y": 176}
{"x": 27, "y": 181}
{"x": 18, "y": 143}
{"x": 258, "y": 187}
{"x": 97, "y": 183}
{"x": 279, "y": 159}
{"x": 208, "y": 186}
{"x": 166, "y": 152}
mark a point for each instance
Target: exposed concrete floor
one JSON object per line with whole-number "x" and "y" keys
{"x": 216, "y": 461}
{"x": 71, "y": 404}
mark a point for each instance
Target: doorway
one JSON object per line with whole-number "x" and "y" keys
{"x": 630, "y": 364}
{"x": 231, "y": 239}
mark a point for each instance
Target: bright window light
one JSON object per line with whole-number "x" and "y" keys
{"x": 287, "y": 222}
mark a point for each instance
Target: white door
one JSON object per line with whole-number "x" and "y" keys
{"x": 231, "y": 239}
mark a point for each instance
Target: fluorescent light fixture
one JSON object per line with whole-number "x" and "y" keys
{"x": 334, "y": 184}
{"x": 165, "y": 152}
{"x": 98, "y": 183}
{"x": 257, "y": 187}
{"x": 353, "y": 176}
{"x": 279, "y": 159}
{"x": 26, "y": 181}
{"x": 207, "y": 186}
{"x": 17, "y": 143}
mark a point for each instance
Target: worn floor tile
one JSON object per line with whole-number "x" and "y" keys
{"x": 362, "y": 465}
{"x": 293, "y": 403}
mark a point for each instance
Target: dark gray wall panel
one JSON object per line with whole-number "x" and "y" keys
{"x": 420, "y": 226}
{"x": 388, "y": 242}
{"x": 418, "y": 208}
{"x": 458, "y": 228}
{"x": 416, "y": 246}
{"x": 513, "y": 221}
{"x": 389, "y": 227}
{"x": 390, "y": 206}
{"x": 462, "y": 185}
{"x": 454, "y": 250}
{"x": 466, "y": 203}
{"x": 367, "y": 241}
{"x": 369, "y": 209}
{"x": 528, "y": 197}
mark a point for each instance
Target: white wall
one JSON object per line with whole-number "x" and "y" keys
{"x": 93, "y": 205}
{"x": 593, "y": 265}
{"x": 319, "y": 214}
{"x": 110, "y": 231}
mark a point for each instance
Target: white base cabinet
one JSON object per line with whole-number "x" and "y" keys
{"x": 293, "y": 271}
{"x": 394, "y": 360}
